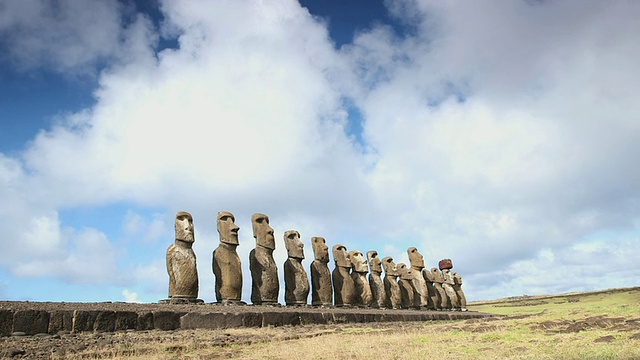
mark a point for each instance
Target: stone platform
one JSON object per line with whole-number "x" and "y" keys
{"x": 32, "y": 318}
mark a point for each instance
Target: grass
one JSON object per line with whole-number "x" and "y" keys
{"x": 587, "y": 326}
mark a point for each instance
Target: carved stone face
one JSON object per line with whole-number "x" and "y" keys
{"x": 437, "y": 275}
{"x": 295, "y": 247}
{"x": 227, "y": 228}
{"x": 262, "y": 232}
{"x": 358, "y": 262}
{"x": 457, "y": 278}
{"x": 390, "y": 268}
{"x": 341, "y": 257}
{"x": 374, "y": 261}
{"x": 184, "y": 227}
{"x": 416, "y": 259}
{"x": 320, "y": 249}
{"x": 405, "y": 272}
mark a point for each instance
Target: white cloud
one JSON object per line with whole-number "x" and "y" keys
{"x": 130, "y": 297}
{"x": 501, "y": 138}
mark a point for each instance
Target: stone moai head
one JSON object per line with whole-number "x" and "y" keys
{"x": 341, "y": 257}
{"x": 295, "y": 247}
{"x": 184, "y": 227}
{"x": 390, "y": 268}
{"x": 405, "y": 272}
{"x": 374, "y": 262}
{"x": 415, "y": 258}
{"x": 437, "y": 275}
{"x": 320, "y": 249}
{"x": 457, "y": 279}
{"x": 227, "y": 228}
{"x": 262, "y": 232}
{"x": 358, "y": 262}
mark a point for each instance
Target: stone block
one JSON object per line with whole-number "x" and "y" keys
{"x": 310, "y": 318}
{"x": 272, "y": 318}
{"x": 126, "y": 320}
{"x": 291, "y": 318}
{"x": 83, "y": 320}
{"x": 6, "y": 322}
{"x": 105, "y": 321}
{"x": 252, "y": 319}
{"x": 145, "y": 321}
{"x": 166, "y": 320}
{"x": 31, "y": 322}
{"x": 203, "y": 321}
{"x": 60, "y": 320}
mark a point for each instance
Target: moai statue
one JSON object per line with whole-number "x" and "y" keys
{"x": 421, "y": 292}
{"x": 448, "y": 288}
{"x": 226, "y": 262}
{"x": 321, "y": 288}
{"x": 375, "y": 281}
{"x": 438, "y": 280}
{"x": 264, "y": 272}
{"x": 406, "y": 286}
{"x": 343, "y": 286}
{"x": 391, "y": 287}
{"x": 181, "y": 262}
{"x": 359, "y": 270}
{"x": 296, "y": 282}
{"x": 434, "y": 295}
{"x": 458, "y": 288}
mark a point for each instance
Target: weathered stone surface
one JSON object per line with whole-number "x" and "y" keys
{"x": 275, "y": 318}
{"x": 448, "y": 288}
{"x": 181, "y": 260}
{"x": 379, "y": 296}
{"x": 391, "y": 287}
{"x": 434, "y": 295}
{"x": 31, "y": 322}
{"x": 406, "y": 286}
{"x": 309, "y": 318}
{"x": 211, "y": 321}
{"x": 166, "y": 320}
{"x": 105, "y": 321}
{"x": 359, "y": 270}
{"x": 458, "y": 288}
{"x": 264, "y": 272}
{"x": 321, "y": 287}
{"x": 145, "y": 321}
{"x": 83, "y": 320}
{"x": 252, "y": 320}
{"x": 226, "y": 264}
{"x": 343, "y": 287}
{"x": 296, "y": 281}
{"x": 438, "y": 280}
{"x": 126, "y": 320}
{"x": 6, "y": 322}
{"x": 60, "y": 321}
{"x": 420, "y": 289}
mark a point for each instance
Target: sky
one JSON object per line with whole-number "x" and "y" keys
{"x": 503, "y": 135}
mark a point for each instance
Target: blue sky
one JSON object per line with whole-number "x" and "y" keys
{"x": 503, "y": 137}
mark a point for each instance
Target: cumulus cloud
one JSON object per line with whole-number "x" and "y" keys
{"x": 500, "y": 137}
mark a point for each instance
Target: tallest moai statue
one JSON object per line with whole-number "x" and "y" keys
{"x": 264, "y": 272}
{"x": 321, "y": 288}
{"x": 226, "y": 264}
{"x": 420, "y": 289}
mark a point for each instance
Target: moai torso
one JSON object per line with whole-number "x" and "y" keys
{"x": 406, "y": 286}
{"x": 226, "y": 264}
{"x": 420, "y": 290}
{"x": 181, "y": 260}
{"x": 434, "y": 296}
{"x": 359, "y": 270}
{"x": 375, "y": 281}
{"x": 391, "y": 287}
{"x": 458, "y": 288}
{"x": 343, "y": 287}
{"x": 296, "y": 282}
{"x": 264, "y": 272}
{"x": 448, "y": 288}
{"x": 322, "y": 290}
{"x": 438, "y": 280}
